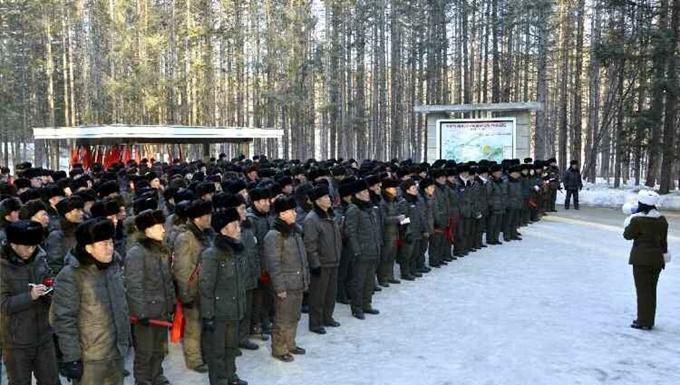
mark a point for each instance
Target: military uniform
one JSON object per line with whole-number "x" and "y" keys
{"x": 440, "y": 247}
{"x": 389, "y": 210}
{"x": 411, "y": 236}
{"x": 253, "y": 263}
{"x": 514, "y": 209}
{"x": 497, "y": 207}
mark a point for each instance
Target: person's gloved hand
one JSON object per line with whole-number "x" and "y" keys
{"x": 209, "y": 324}
{"x": 316, "y": 271}
{"x": 72, "y": 370}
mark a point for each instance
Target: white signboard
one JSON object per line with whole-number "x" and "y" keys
{"x": 465, "y": 140}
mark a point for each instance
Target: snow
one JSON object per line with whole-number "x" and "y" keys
{"x": 552, "y": 309}
{"x": 601, "y": 194}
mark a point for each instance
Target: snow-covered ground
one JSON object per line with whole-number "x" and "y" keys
{"x": 603, "y": 195}
{"x": 553, "y": 309}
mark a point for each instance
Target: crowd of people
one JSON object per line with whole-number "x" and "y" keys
{"x": 95, "y": 261}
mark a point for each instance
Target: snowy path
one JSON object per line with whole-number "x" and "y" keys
{"x": 553, "y": 309}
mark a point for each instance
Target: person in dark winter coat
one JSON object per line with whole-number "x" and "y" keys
{"x": 440, "y": 248}
{"x": 344, "y": 269}
{"x": 223, "y": 297}
{"x": 188, "y": 247}
{"x": 482, "y": 180}
{"x": 89, "y": 311}
{"x": 514, "y": 206}
{"x": 497, "y": 205}
{"x": 553, "y": 180}
{"x": 25, "y": 285}
{"x": 10, "y": 209}
{"x": 648, "y": 230}
{"x": 323, "y": 243}
{"x": 573, "y": 184}
{"x": 286, "y": 261}
{"x": 411, "y": 232}
{"x": 363, "y": 241}
{"x": 60, "y": 242}
{"x": 391, "y": 223}
{"x": 263, "y": 297}
{"x": 424, "y": 204}
{"x": 150, "y": 296}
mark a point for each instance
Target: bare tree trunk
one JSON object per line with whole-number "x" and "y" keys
{"x": 544, "y": 10}
{"x": 670, "y": 122}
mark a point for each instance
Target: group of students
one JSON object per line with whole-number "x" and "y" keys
{"x": 95, "y": 260}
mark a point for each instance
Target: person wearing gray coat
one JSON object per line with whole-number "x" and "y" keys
{"x": 150, "y": 295}
{"x": 323, "y": 242}
{"x": 89, "y": 311}
{"x": 286, "y": 262}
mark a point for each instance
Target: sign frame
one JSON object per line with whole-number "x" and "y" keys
{"x": 438, "y": 131}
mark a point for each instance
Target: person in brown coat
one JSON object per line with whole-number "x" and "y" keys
{"x": 648, "y": 230}
{"x": 286, "y": 262}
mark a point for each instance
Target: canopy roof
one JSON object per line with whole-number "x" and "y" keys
{"x": 120, "y": 133}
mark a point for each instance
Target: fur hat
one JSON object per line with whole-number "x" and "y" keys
{"x": 94, "y": 230}
{"x": 482, "y": 170}
{"x": 87, "y": 195}
{"x": 69, "y": 204}
{"x": 144, "y": 203}
{"x": 405, "y": 185}
{"x": 27, "y": 233}
{"x": 437, "y": 173}
{"x": 425, "y": 183}
{"x": 236, "y": 186}
{"x": 318, "y": 192}
{"x": 573, "y": 162}
{"x": 359, "y": 186}
{"x": 7, "y": 206}
{"x": 372, "y": 180}
{"x": 259, "y": 193}
{"x": 52, "y": 191}
{"x": 149, "y": 218}
{"x": 29, "y": 195}
{"x": 551, "y": 160}
{"x": 204, "y": 188}
{"x": 528, "y": 160}
{"x": 223, "y": 201}
{"x": 461, "y": 168}
{"x": 221, "y": 219}
{"x": 198, "y": 208}
{"x": 105, "y": 208}
{"x": 149, "y": 176}
{"x": 345, "y": 187}
{"x": 31, "y": 208}
{"x": 390, "y": 183}
{"x": 107, "y": 188}
{"x": 495, "y": 168}
{"x": 284, "y": 204}
{"x": 22, "y": 183}
{"x": 184, "y": 195}
{"x": 649, "y": 198}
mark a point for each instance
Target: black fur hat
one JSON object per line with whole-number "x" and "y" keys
{"x": 345, "y": 187}
{"x": 284, "y": 204}
{"x": 87, "y": 195}
{"x": 94, "y": 230}
{"x": 259, "y": 193}
{"x": 528, "y": 160}
{"x": 69, "y": 204}
{"x": 27, "y": 233}
{"x": 223, "y": 201}
{"x": 390, "y": 183}
{"x": 105, "y": 208}
{"x": 359, "y": 186}
{"x": 198, "y": 208}
{"x": 22, "y": 183}
{"x": 52, "y": 191}
{"x": 149, "y": 218}
{"x": 405, "y": 185}
{"x": 144, "y": 203}
{"x": 425, "y": 183}
{"x": 31, "y": 194}
{"x": 495, "y": 168}
{"x": 318, "y": 192}
{"x": 205, "y": 188}
{"x": 149, "y": 176}
{"x": 219, "y": 220}
{"x": 107, "y": 188}
{"x": 7, "y": 206}
{"x": 31, "y": 208}
{"x": 437, "y": 173}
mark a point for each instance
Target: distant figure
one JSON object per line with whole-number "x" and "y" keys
{"x": 649, "y": 231}
{"x": 572, "y": 183}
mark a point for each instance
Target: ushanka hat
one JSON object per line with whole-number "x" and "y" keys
{"x": 28, "y": 233}
{"x": 31, "y": 208}
{"x": 318, "y": 192}
{"x": 198, "y": 208}
{"x": 390, "y": 183}
{"x": 105, "y": 208}
{"x": 284, "y": 204}
{"x": 7, "y": 206}
{"x": 259, "y": 193}
{"x": 204, "y": 188}
{"x": 69, "y": 204}
{"x": 94, "y": 230}
{"x": 149, "y": 218}
{"x": 221, "y": 219}
{"x": 425, "y": 183}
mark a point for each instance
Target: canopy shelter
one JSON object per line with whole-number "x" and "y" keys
{"x": 521, "y": 112}
{"x": 119, "y": 142}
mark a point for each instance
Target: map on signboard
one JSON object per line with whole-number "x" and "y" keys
{"x": 465, "y": 141}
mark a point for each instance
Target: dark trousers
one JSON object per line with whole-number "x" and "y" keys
{"x": 553, "y": 199}
{"x": 407, "y": 253}
{"x": 438, "y": 246}
{"x": 646, "y": 279}
{"x": 526, "y": 212}
{"x": 494, "y": 227}
{"x": 387, "y": 258}
{"x": 461, "y": 243}
{"x": 511, "y": 224}
{"x": 266, "y": 304}
{"x": 40, "y": 361}
{"x": 108, "y": 372}
{"x": 571, "y": 193}
{"x": 480, "y": 228}
{"x": 322, "y": 293}
{"x": 362, "y": 284}
{"x": 344, "y": 274}
{"x": 221, "y": 347}
{"x": 288, "y": 311}
{"x": 423, "y": 247}
{"x": 246, "y": 324}
{"x": 151, "y": 346}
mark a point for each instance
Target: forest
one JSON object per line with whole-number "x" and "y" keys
{"x": 341, "y": 77}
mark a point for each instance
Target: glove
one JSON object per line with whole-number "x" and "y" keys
{"x": 189, "y": 305}
{"x": 208, "y": 324}
{"x": 72, "y": 370}
{"x": 316, "y": 271}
